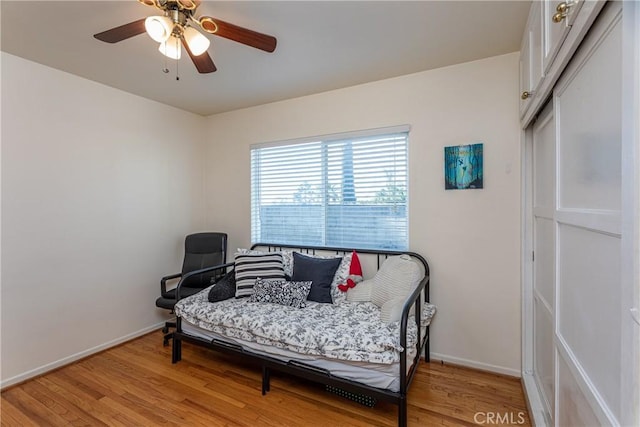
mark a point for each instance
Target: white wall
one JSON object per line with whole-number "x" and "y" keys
{"x": 99, "y": 188}
{"x": 98, "y": 192}
{"x": 470, "y": 237}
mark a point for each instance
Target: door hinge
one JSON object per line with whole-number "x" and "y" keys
{"x": 533, "y": 256}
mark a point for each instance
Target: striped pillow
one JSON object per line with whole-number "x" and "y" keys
{"x": 251, "y": 266}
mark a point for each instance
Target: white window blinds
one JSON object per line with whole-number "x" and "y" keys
{"x": 342, "y": 191}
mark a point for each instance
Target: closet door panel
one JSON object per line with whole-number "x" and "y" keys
{"x": 544, "y": 159}
{"x": 573, "y": 406}
{"x": 578, "y": 286}
{"x": 543, "y": 267}
{"x": 544, "y": 146}
{"x": 589, "y": 297}
{"x": 544, "y": 353}
{"x": 588, "y": 111}
{"x": 590, "y": 154}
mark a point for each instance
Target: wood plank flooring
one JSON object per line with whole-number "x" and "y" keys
{"x": 135, "y": 384}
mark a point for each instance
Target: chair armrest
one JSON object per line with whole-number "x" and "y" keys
{"x": 196, "y": 272}
{"x": 163, "y": 282}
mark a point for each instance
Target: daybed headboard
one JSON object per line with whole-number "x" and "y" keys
{"x": 371, "y": 259}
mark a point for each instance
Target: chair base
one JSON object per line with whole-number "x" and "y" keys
{"x": 167, "y": 335}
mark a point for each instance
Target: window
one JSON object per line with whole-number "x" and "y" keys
{"x": 346, "y": 190}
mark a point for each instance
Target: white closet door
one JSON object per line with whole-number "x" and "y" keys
{"x": 588, "y": 294}
{"x": 544, "y": 146}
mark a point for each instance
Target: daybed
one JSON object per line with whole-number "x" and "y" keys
{"x": 354, "y": 348}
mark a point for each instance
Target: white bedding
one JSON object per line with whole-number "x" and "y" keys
{"x": 384, "y": 376}
{"x": 348, "y": 331}
{"x": 348, "y": 339}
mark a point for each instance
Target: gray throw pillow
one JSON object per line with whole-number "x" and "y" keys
{"x": 224, "y": 288}
{"x": 317, "y": 270}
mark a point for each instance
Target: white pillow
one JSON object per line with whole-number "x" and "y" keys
{"x": 398, "y": 277}
{"x": 391, "y": 310}
{"x": 341, "y": 277}
{"x": 361, "y": 293}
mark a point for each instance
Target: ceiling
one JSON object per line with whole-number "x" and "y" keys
{"x": 322, "y": 45}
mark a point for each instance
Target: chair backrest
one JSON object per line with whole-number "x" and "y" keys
{"x": 203, "y": 250}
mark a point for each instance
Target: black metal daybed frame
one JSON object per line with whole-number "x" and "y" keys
{"x": 318, "y": 374}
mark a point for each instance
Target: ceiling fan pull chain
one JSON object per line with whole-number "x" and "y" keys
{"x": 166, "y": 68}
{"x": 177, "y": 60}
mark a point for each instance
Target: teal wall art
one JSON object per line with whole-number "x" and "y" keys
{"x": 463, "y": 167}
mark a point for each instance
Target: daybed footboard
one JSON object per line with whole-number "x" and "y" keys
{"x": 411, "y": 312}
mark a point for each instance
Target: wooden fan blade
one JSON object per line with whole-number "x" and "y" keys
{"x": 122, "y": 32}
{"x": 204, "y": 64}
{"x": 241, "y": 35}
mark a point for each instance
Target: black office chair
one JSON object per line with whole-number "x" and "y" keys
{"x": 201, "y": 250}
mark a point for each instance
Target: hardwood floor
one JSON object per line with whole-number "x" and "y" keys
{"x": 135, "y": 384}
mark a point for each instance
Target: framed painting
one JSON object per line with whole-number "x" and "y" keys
{"x": 463, "y": 167}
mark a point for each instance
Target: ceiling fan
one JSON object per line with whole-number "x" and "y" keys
{"x": 176, "y": 27}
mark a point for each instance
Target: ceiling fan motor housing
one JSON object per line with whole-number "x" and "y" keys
{"x": 179, "y": 18}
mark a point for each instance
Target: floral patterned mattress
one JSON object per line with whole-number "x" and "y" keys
{"x": 348, "y": 331}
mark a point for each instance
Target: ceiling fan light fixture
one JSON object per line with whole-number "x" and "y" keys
{"x": 159, "y": 28}
{"x": 171, "y": 48}
{"x": 198, "y": 44}
{"x": 173, "y": 31}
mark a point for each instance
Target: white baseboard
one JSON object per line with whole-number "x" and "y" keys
{"x": 476, "y": 365}
{"x": 70, "y": 359}
{"x": 74, "y": 357}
